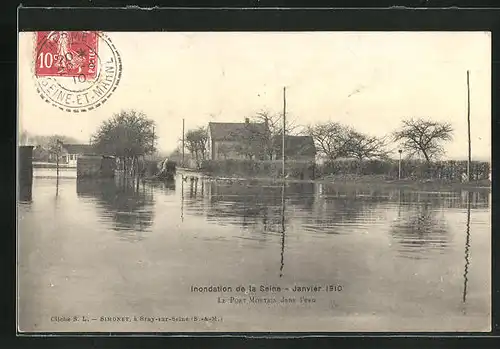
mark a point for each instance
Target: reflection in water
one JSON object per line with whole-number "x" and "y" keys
{"x": 467, "y": 247}
{"x": 25, "y": 192}
{"x": 182, "y": 199}
{"x": 301, "y": 195}
{"x": 268, "y": 211}
{"x": 250, "y": 206}
{"x": 339, "y": 206}
{"x": 421, "y": 227}
{"x": 260, "y": 209}
{"x": 130, "y": 208}
{"x": 234, "y": 232}
{"x": 253, "y": 205}
{"x": 419, "y": 230}
{"x": 166, "y": 187}
{"x": 282, "y": 229}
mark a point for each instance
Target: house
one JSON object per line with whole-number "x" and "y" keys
{"x": 71, "y": 152}
{"x": 233, "y": 140}
{"x": 298, "y": 148}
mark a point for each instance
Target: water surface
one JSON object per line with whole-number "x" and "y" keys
{"x": 404, "y": 260}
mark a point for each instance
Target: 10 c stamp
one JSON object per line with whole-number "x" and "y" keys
{"x": 76, "y": 71}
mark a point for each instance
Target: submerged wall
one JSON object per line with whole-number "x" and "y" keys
{"x": 25, "y": 172}
{"x": 95, "y": 166}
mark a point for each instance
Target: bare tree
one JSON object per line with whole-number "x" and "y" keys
{"x": 254, "y": 141}
{"x": 224, "y": 150}
{"x": 331, "y": 139}
{"x": 54, "y": 146}
{"x": 274, "y": 124}
{"x": 423, "y": 137}
{"x": 362, "y": 146}
{"x": 196, "y": 143}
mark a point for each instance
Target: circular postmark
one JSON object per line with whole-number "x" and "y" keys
{"x": 76, "y": 71}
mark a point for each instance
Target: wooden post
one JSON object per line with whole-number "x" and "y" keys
{"x": 58, "y": 151}
{"x": 399, "y": 167}
{"x": 57, "y": 164}
{"x": 468, "y": 127}
{"x": 284, "y": 127}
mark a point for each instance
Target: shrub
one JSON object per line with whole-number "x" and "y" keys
{"x": 445, "y": 170}
{"x": 258, "y": 168}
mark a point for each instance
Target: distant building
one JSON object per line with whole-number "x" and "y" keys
{"x": 298, "y": 148}
{"x": 71, "y": 152}
{"x": 232, "y": 140}
{"x": 227, "y": 139}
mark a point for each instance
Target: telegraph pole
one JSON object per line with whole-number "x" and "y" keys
{"x": 283, "y": 186}
{"x": 468, "y": 127}
{"x": 59, "y": 144}
{"x": 284, "y": 127}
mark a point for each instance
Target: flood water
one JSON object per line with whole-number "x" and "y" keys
{"x": 385, "y": 259}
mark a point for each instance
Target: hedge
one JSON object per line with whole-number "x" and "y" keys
{"x": 258, "y": 168}
{"x": 445, "y": 170}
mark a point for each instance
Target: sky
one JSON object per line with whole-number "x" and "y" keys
{"x": 368, "y": 80}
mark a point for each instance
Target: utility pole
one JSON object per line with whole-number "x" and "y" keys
{"x": 57, "y": 162}
{"x": 182, "y": 142}
{"x": 283, "y": 186}
{"x": 399, "y": 167}
{"x": 284, "y": 131}
{"x": 59, "y": 144}
{"x": 468, "y": 127}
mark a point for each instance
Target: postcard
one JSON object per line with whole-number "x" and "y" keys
{"x": 254, "y": 182}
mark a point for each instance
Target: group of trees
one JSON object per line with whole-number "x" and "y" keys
{"x": 130, "y": 134}
{"x": 420, "y": 137}
{"x": 196, "y": 143}
{"x": 334, "y": 140}
{"x": 46, "y": 148}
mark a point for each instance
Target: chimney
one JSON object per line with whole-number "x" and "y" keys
{"x": 247, "y": 120}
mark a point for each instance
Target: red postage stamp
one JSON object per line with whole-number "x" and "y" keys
{"x": 67, "y": 53}
{"x": 75, "y": 71}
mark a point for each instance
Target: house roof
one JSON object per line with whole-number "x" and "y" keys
{"x": 232, "y": 131}
{"x": 296, "y": 145}
{"x": 80, "y": 149}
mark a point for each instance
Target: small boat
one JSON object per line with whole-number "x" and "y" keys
{"x": 167, "y": 173}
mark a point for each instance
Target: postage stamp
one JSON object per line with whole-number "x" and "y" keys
{"x": 76, "y": 71}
